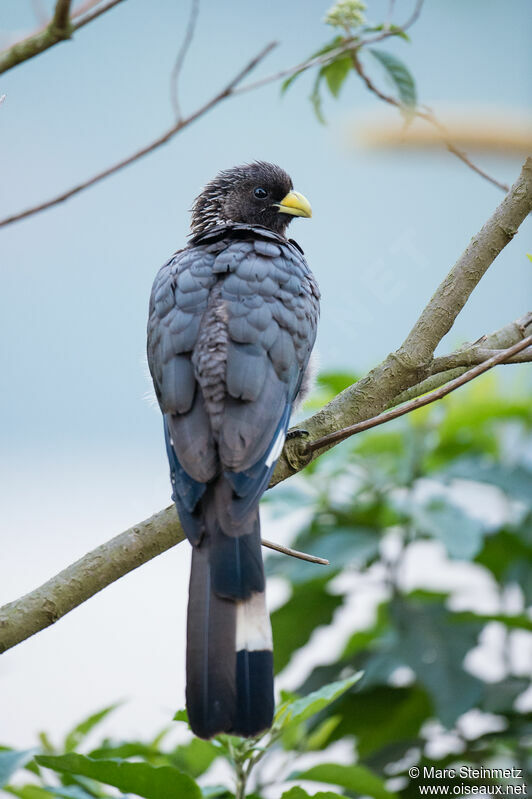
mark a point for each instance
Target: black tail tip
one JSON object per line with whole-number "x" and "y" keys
{"x": 254, "y": 693}
{"x": 248, "y": 713}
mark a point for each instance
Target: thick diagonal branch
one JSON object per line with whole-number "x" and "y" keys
{"x": 502, "y": 356}
{"x": 373, "y": 394}
{"x": 411, "y": 363}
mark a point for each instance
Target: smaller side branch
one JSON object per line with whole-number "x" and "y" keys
{"x": 95, "y": 571}
{"x": 90, "y": 574}
{"x": 58, "y": 29}
{"x": 61, "y": 18}
{"x": 419, "y": 402}
{"x": 294, "y": 553}
{"x": 475, "y": 356}
{"x": 498, "y": 340}
{"x": 96, "y": 13}
{"x": 180, "y": 58}
{"x": 429, "y": 117}
{"x": 228, "y": 91}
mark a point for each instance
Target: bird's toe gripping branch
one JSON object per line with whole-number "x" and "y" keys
{"x": 295, "y": 449}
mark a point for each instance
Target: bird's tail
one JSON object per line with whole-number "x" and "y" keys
{"x": 229, "y": 642}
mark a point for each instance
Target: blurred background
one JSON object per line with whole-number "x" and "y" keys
{"x": 82, "y": 454}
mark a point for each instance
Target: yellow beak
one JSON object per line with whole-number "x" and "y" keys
{"x": 295, "y": 204}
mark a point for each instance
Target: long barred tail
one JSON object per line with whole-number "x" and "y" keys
{"x": 229, "y": 642}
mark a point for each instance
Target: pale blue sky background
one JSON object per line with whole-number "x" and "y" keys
{"x": 82, "y": 455}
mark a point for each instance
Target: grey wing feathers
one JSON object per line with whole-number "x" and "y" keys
{"x": 232, "y": 323}
{"x": 270, "y": 307}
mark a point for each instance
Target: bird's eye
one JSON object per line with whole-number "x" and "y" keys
{"x": 260, "y": 193}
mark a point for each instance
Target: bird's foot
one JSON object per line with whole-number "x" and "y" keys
{"x": 296, "y": 433}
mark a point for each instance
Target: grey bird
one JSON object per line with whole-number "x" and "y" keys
{"x": 232, "y": 323}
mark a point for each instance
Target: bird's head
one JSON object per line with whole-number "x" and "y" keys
{"x": 254, "y": 194}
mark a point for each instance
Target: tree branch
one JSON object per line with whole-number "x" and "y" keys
{"x": 429, "y": 117}
{"x": 180, "y": 59}
{"x": 26, "y": 49}
{"x": 61, "y": 17}
{"x": 57, "y": 30}
{"x": 501, "y": 356}
{"x": 411, "y": 363}
{"x": 228, "y": 91}
{"x": 96, "y": 570}
{"x": 96, "y": 13}
{"x": 382, "y": 386}
{"x": 504, "y": 337}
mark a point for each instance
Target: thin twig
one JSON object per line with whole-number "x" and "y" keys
{"x": 474, "y": 356}
{"x": 428, "y": 116}
{"x": 96, "y": 13}
{"x": 83, "y": 8}
{"x": 419, "y": 402}
{"x": 228, "y": 91}
{"x": 180, "y": 59}
{"x": 294, "y": 553}
{"x": 400, "y": 371}
{"x": 351, "y": 46}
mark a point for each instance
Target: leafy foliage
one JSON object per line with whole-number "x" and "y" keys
{"x": 400, "y": 76}
{"x": 341, "y": 56}
{"x": 407, "y": 512}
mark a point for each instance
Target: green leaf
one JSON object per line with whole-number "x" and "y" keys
{"x": 432, "y": 643}
{"x": 152, "y": 782}
{"x": 328, "y": 385}
{"x": 81, "y": 730}
{"x": 508, "y": 556}
{"x": 309, "y": 607}
{"x": 30, "y": 792}
{"x": 336, "y": 72}
{"x": 499, "y": 697}
{"x": 195, "y": 757}
{"x": 517, "y": 621}
{"x": 336, "y": 42}
{"x": 123, "y": 751}
{"x": 382, "y": 716}
{"x": 288, "y": 81}
{"x": 299, "y": 793}
{"x": 217, "y": 792}
{"x": 11, "y": 760}
{"x": 301, "y": 709}
{"x": 318, "y": 738}
{"x": 461, "y": 534}
{"x": 516, "y": 481}
{"x": 358, "y": 779}
{"x": 336, "y": 382}
{"x": 400, "y": 76}
{"x": 70, "y": 792}
{"x": 364, "y": 639}
{"x": 181, "y": 715}
{"x": 315, "y": 96}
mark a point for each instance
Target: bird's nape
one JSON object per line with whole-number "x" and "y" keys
{"x": 253, "y": 194}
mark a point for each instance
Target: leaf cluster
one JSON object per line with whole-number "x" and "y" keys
{"x": 450, "y": 485}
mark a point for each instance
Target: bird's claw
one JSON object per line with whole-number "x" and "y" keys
{"x": 296, "y": 433}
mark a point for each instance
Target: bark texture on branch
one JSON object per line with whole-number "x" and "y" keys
{"x": 59, "y": 29}
{"x": 405, "y": 370}
{"x": 88, "y": 575}
{"x": 411, "y": 363}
